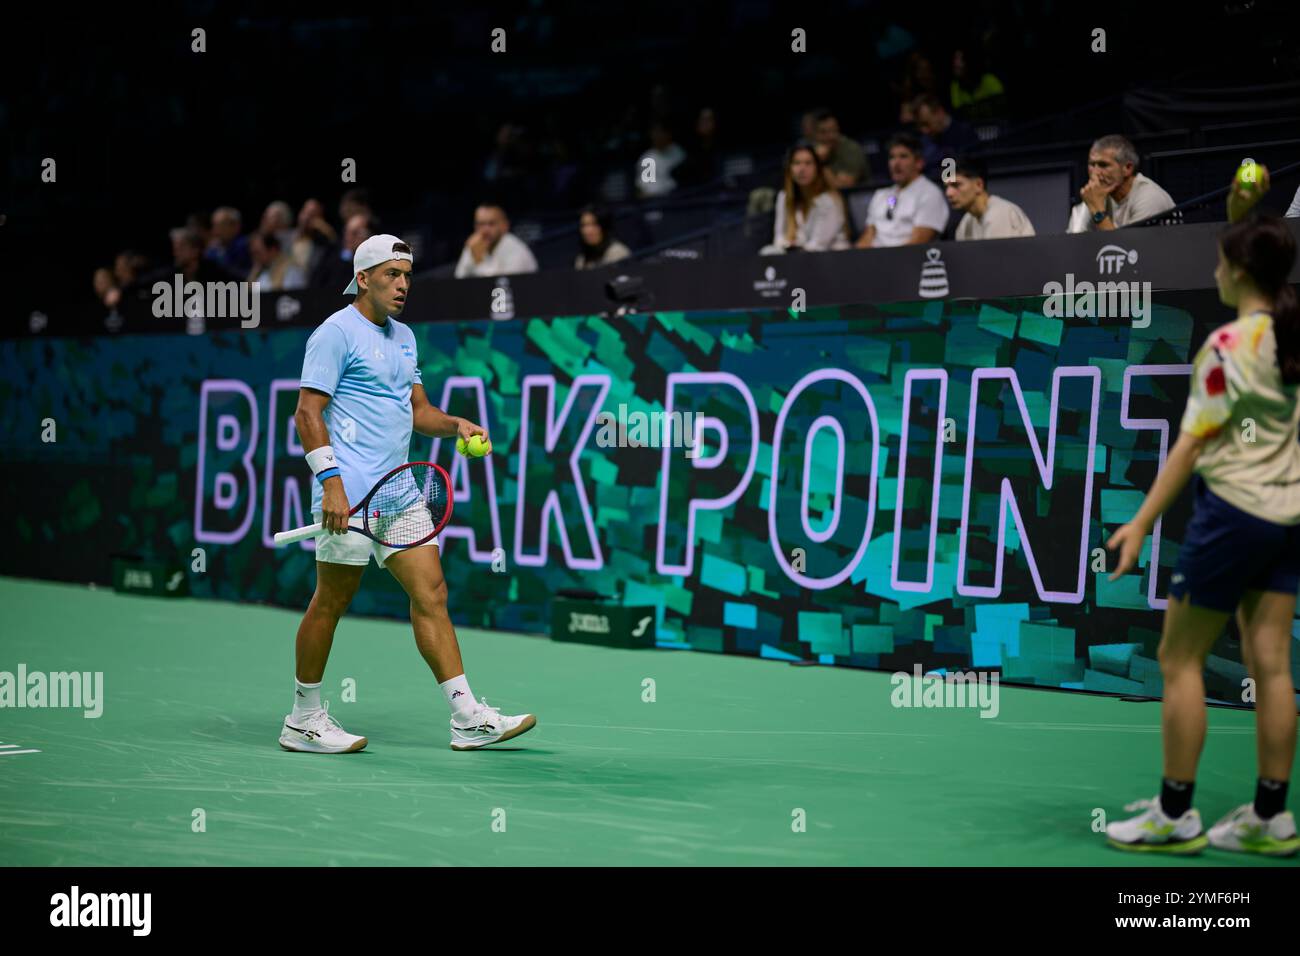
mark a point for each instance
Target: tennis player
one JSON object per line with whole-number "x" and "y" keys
{"x": 361, "y": 397}
{"x": 1242, "y": 548}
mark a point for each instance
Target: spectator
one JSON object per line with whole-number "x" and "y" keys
{"x": 808, "y": 125}
{"x": 354, "y": 202}
{"x": 334, "y": 271}
{"x": 201, "y": 223}
{"x": 809, "y": 211}
{"x": 188, "y": 261}
{"x": 314, "y": 238}
{"x": 624, "y": 137}
{"x": 703, "y": 164}
{"x": 845, "y": 163}
{"x": 654, "y": 169}
{"x": 128, "y": 267}
{"x": 227, "y": 247}
{"x": 986, "y": 216}
{"x": 278, "y": 218}
{"x": 913, "y": 210}
{"x": 508, "y": 159}
{"x": 492, "y": 249}
{"x": 561, "y": 176}
{"x": 273, "y": 268}
{"x": 106, "y": 289}
{"x": 596, "y": 243}
{"x": 918, "y": 78}
{"x": 975, "y": 93}
{"x": 1116, "y": 194}
{"x": 942, "y": 137}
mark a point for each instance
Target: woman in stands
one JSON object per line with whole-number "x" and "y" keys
{"x": 596, "y": 243}
{"x": 1241, "y": 553}
{"x": 809, "y": 211}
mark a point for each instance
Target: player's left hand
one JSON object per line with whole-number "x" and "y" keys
{"x": 466, "y": 429}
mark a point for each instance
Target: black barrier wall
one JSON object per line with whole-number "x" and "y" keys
{"x": 1168, "y": 257}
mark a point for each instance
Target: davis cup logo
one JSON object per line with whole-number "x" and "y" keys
{"x": 1111, "y": 259}
{"x": 934, "y": 276}
{"x": 770, "y": 286}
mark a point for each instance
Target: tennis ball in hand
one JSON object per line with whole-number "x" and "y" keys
{"x": 478, "y": 446}
{"x": 1248, "y": 175}
{"x": 461, "y": 447}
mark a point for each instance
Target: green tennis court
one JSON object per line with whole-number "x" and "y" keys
{"x": 713, "y": 772}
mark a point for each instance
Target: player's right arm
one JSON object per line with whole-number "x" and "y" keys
{"x": 326, "y": 359}
{"x": 312, "y": 432}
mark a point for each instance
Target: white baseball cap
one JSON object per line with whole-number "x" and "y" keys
{"x": 373, "y": 252}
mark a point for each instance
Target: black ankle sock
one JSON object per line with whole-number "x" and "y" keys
{"x": 1270, "y": 797}
{"x": 1176, "y": 797}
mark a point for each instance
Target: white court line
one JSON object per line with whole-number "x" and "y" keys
{"x": 708, "y": 730}
{"x": 10, "y": 753}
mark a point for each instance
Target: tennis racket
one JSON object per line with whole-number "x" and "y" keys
{"x": 407, "y": 507}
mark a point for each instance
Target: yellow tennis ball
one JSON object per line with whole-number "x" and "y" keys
{"x": 1248, "y": 175}
{"x": 461, "y": 446}
{"x": 478, "y": 446}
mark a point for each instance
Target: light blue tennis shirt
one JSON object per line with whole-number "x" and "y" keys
{"x": 368, "y": 371}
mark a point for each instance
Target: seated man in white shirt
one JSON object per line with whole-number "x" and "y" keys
{"x": 1116, "y": 194}
{"x": 913, "y": 210}
{"x": 986, "y": 216}
{"x": 492, "y": 250}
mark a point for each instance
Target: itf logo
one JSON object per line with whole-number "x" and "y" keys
{"x": 1111, "y": 259}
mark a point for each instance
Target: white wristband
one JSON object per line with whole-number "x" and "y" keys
{"x": 320, "y": 459}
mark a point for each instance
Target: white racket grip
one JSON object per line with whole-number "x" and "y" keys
{"x": 307, "y": 531}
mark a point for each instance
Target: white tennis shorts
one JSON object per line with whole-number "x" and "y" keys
{"x": 355, "y": 548}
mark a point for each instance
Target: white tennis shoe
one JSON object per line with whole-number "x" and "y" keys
{"x": 486, "y": 726}
{"x": 318, "y": 733}
{"x": 1152, "y": 831}
{"x": 1242, "y": 831}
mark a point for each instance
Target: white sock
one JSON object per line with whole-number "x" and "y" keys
{"x": 306, "y": 698}
{"x": 459, "y": 698}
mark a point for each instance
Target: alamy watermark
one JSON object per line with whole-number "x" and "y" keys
{"x": 75, "y": 908}
{"x": 82, "y": 690}
{"x": 978, "y": 689}
{"x": 1101, "y": 300}
{"x": 208, "y": 300}
{"x": 639, "y": 429}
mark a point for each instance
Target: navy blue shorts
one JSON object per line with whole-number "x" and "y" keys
{"x": 1227, "y": 552}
